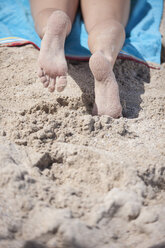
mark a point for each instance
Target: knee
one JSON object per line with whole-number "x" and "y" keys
{"x": 61, "y": 20}
{"x": 109, "y": 29}
{"x": 52, "y": 16}
{"x": 107, "y": 25}
{"x": 118, "y": 26}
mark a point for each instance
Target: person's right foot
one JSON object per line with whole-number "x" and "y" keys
{"x": 107, "y": 101}
{"x": 51, "y": 61}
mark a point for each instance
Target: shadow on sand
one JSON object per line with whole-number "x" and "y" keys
{"x": 131, "y": 77}
{"x": 161, "y": 245}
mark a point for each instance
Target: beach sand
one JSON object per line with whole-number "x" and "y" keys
{"x": 70, "y": 179}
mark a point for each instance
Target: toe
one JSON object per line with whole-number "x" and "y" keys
{"x": 52, "y": 84}
{"x": 43, "y": 79}
{"x": 46, "y": 84}
{"x": 61, "y": 83}
{"x": 40, "y": 72}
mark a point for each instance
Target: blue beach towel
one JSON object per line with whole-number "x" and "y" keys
{"x": 143, "y": 39}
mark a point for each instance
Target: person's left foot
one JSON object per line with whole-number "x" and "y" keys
{"x": 107, "y": 100}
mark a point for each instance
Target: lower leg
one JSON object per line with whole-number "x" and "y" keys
{"x": 106, "y": 38}
{"x": 105, "y": 41}
{"x": 42, "y": 10}
{"x": 53, "y": 20}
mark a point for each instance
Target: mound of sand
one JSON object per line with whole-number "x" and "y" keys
{"x": 69, "y": 179}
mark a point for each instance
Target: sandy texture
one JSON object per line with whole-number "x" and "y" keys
{"x": 68, "y": 179}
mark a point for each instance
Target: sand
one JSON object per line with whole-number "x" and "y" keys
{"x": 70, "y": 179}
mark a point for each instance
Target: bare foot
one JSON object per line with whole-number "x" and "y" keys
{"x": 107, "y": 101}
{"x": 52, "y": 62}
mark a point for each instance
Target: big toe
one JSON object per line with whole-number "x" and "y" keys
{"x": 61, "y": 83}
